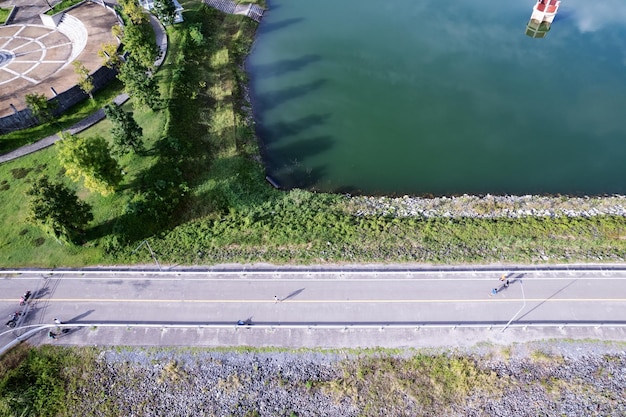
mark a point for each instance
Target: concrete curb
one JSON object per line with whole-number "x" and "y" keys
{"x": 264, "y": 269}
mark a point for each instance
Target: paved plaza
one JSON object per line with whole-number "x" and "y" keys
{"x": 37, "y": 59}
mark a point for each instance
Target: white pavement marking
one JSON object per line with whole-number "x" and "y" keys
{"x": 59, "y": 45}
{"x": 19, "y": 75}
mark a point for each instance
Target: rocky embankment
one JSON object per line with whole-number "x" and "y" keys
{"x": 488, "y": 206}
{"x": 548, "y": 379}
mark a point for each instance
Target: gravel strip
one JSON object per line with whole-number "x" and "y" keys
{"x": 488, "y": 206}
{"x": 545, "y": 378}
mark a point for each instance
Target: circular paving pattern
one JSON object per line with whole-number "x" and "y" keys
{"x": 36, "y": 58}
{"x": 31, "y": 53}
{"x": 6, "y": 57}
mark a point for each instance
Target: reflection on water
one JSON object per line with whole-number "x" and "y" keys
{"x": 440, "y": 97}
{"x": 542, "y": 17}
{"x": 591, "y": 16}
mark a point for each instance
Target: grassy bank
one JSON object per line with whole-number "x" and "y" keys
{"x": 200, "y": 196}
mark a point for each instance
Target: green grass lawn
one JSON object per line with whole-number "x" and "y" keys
{"x": 199, "y": 193}
{"x": 65, "y": 4}
{"x": 4, "y": 15}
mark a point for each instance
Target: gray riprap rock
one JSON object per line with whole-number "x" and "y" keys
{"x": 541, "y": 378}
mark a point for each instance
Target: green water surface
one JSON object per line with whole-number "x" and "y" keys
{"x": 441, "y": 97}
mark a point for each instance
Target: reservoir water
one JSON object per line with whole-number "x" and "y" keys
{"x": 441, "y": 97}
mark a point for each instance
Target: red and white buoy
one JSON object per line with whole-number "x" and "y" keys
{"x": 541, "y": 19}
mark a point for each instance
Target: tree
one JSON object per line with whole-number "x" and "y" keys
{"x": 133, "y": 10}
{"x": 118, "y": 32}
{"x": 40, "y": 107}
{"x": 85, "y": 80}
{"x": 109, "y": 55}
{"x": 140, "y": 84}
{"x": 140, "y": 44}
{"x": 58, "y": 210}
{"x": 165, "y": 10}
{"x": 195, "y": 33}
{"x": 90, "y": 158}
{"x": 126, "y": 132}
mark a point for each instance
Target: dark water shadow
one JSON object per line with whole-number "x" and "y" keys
{"x": 303, "y": 148}
{"x": 284, "y": 129}
{"x": 297, "y": 176}
{"x": 272, "y": 27}
{"x": 271, "y": 100}
{"x": 347, "y": 190}
{"x": 564, "y": 15}
{"x": 280, "y": 68}
{"x": 271, "y": 6}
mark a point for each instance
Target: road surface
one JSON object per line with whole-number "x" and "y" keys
{"x": 329, "y": 309}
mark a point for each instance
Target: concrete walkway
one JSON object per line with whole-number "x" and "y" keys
{"x": 92, "y": 119}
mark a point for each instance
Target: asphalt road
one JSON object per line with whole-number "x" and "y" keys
{"x": 360, "y": 307}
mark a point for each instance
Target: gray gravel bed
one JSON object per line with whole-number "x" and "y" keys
{"x": 559, "y": 378}
{"x": 487, "y": 206}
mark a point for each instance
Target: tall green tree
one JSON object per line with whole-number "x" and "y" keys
{"x": 139, "y": 42}
{"x": 165, "y": 10}
{"x": 133, "y": 10}
{"x": 40, "y": 107}
{"x": 90, "y": 158}
{"x": 58, "y": 210}
{"x": 126, "y": 132}
{"x": 140, "y": 84}
{"x": 85, "y": 80}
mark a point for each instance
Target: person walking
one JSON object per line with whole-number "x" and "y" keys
{"x": 276, "y": 299}
{"x": 57, "y": 321}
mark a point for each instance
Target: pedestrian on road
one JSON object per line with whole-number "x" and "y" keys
{"x": 506, "y": 284}
{"x": 494, "y": 291}
{"x": 52, "y": 335}
{"x": 276, "y": 299}
{"x": 57, "y": 321}
{"x": 503, "y": 277}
